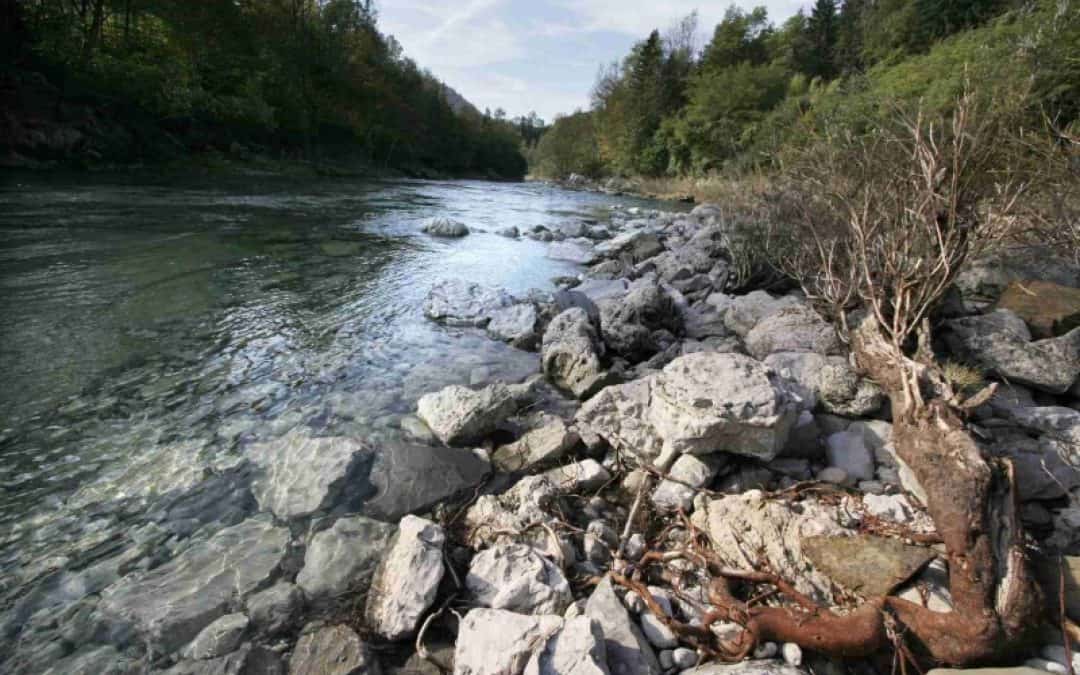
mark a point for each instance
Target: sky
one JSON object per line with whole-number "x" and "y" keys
{"x": 542, "y": 55}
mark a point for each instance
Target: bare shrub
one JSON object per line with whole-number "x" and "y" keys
{"x": 875, "y": 229}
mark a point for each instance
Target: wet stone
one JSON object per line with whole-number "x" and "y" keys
{"x": 170, "y": 604}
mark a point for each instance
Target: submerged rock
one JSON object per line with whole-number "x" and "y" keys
{"x": 219, "y": 638}
{"x": 459, "y": 415}
{"x": 498, "y": 642}
{"x": 333, "y": 650}
{"x": 299, "y": 475}
{"x": 579, "y": 251}
{"x": 339, "y": 561}
{"x": 170, "y": 604}
{"x": 456, "y": 302}
{"x": 407, "y": 579}
{"x": 275, "y": 610}
{"x": 515, "y": 324}
{"x": 445, "y": 227}
{"x": 517, "y": 578}
{"x": 700, "y": 403}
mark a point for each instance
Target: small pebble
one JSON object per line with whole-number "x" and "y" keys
{"x": 765, "y": 650}
{"x": 666, "y": 658}
{"x": 1057, "y": 653}
{"x": 792, "y": 654}
{"x": 685, "y": 658}
{"x": 635, "y": 547}
{"x": 835, "y": 475}
{"x": 656, "y": 632}
{"x": 1047, "y": 665}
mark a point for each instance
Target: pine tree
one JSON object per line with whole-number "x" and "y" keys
{"x": 821, "y": 31}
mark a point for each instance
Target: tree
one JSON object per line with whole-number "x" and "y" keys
{"x": 821, "y": 28}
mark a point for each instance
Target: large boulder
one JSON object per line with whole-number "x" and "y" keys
{"x": 407, "y": 579}
{"x": 445, "y": 227}
{"x": 700, "y": 403}
{"x": 298, "y": 475}
{"x": 459, "y": 415}
{"x": 339, "y": 561}
{"x": 1000, "y": 343}
{"x": 576, "y": 649}
{"x": 1049, "y": 309}
{"x": 749, "y": 529}
{"x": 794, "y": 329}
{"x": 333, "y": 650}
{"x": 516, "y": 577}
{"x": 571, "y": 353}
{"x": 627, "y": 650}
{"x": 170, "y": 604}
{"x": 627, "y": 323}
{"x": 498, "y": 642}
{"x": 457, "y": 302}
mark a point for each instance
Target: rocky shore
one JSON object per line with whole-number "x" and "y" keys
{"x": 550, "y": 526}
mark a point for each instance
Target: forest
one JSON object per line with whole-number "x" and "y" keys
{"x": 759, "y": 92}
{"x": 128, "y": 80}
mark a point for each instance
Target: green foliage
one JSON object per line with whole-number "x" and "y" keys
{"x": 758, "y": 94}
{"x": 305, "y": 77}
{"x": 570, "y": 146}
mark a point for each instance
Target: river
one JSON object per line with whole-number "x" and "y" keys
{"x": 154, "y": 329}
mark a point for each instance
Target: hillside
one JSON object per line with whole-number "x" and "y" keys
{"x": 116, "y": 83}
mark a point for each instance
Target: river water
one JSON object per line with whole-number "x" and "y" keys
{"x": 151, "y": 331}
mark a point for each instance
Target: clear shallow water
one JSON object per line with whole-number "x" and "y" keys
{"x": 151, "y": 331}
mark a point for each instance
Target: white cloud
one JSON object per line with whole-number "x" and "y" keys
{"x": 482, "y": 47}
{"x": 638, "y": 18}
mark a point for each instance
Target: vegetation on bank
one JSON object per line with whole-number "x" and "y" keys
{"x": 128, "y": 80}
{"x": 758, "y": 94}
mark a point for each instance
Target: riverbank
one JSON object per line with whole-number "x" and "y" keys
{"x": 559, "y": 522}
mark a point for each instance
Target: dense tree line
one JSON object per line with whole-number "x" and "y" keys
{"x": 307, "y": 78}
{"x": 757, "y": 89}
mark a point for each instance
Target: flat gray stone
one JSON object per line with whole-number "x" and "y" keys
{"x": 299, "y": 475}
{"x": 628, "y": 652}
{"x": 275, "y": 610}
{"x": 219, "y": 638}
{"x": 170, "y": 604}
{"x": 498, "y": 642}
